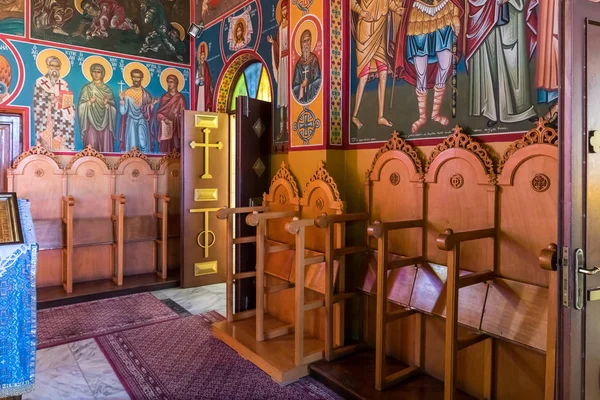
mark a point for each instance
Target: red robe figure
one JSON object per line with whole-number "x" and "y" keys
{"x": 203, "y": 81}
{"x": 106, "y": 14}
{"x": 169, "y": 117}
{"x": 424, "y": 51}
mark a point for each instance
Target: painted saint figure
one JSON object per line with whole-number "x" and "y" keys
{"x": 97, "y": 112}
{"x": 203, "y": 82}
{"x": 106, "y": 14}
{"x": 547, "y": 56}
{"x": 169, "y": 116}
{"x": 5, "y": 78}
{"x": 137, "y": 110}
{"x": 307, "y": 72}
{"x": 165, "y": 37}
{"x": 371, "y": 36}
{"x": 53, "y": 110}
{"x": 498, "y": 56}
{"x": 51, "y": 14}
{"x": 280, "y": 57}
{"x": 424, "y": 51}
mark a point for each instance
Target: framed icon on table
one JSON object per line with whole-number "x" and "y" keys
{"x": 10, "y": 221}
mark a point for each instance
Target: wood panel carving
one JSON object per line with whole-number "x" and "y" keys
{"x": 39, "y": 150}
{"x": 397, "y": 143}
{"x": 89, "y": 152}
{"x": 322, "y": 177}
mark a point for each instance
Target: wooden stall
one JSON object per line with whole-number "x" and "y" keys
{"x": 463, "y": 308}
{"x": 287, "y": 329}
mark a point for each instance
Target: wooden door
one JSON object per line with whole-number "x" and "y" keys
{"x": 204, "y": 189}
{"x": 254, "y": 131}
{"x": 10, "y": 144}
{"x": 579, "y": 222}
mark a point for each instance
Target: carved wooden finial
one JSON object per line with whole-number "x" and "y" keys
{"x": 540, "y": 134}
{"x": 134, "y": 153}
{"x": 321, "y": 174}
{"x": 173, "y": 155}
{"x": 40, "y": 150}
{"x": 459, "y": 139}
{"x": 284, "y": 173}
{"x": 88, "y": 152}
{"x": 398, "y": 144}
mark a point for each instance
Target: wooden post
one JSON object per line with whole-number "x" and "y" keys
{"x": 380, "y": 325}
{"x": 260, "y": 280}
{"x": 68, "y": 203}
{"x": 229, "y": 269}
{"x": 551, "y": 335}
{"x": 329, "y": 290}
{"x": 299, "y": 289}
{"x": 165, "y": 238}
{"x": 488, "y": 369}
{"x": 451, "y": 353}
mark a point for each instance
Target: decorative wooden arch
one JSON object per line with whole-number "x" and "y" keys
{"x": 284, "y": 178}
{"x": 396, "y": 148}
{"x": 322, "y": 179}
{"x": 132, "y": 155}
{"x": 89, "y": 151}
{"x": 165, "y": 161}
{"x": 37, "y": 150}
{"x": 460, "y": 145}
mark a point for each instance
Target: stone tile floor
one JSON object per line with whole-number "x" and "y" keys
{"x": 79, "y": 370}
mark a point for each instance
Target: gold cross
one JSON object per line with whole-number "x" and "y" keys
{"x": 206, "y": 232}
{"x": 206, "y": 146}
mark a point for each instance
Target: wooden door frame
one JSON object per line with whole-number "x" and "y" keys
{"x": 16, "y": 138}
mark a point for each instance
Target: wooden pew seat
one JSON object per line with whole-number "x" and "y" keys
{"x": 400, "y": 280}
{"x": 92, "y": 231}
{"x": 517, "y": 312}
{"x": 49, "y": 233}
{"x": 139, "y": 228}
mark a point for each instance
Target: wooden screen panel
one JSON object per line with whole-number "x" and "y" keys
{"x": 429, "y": 295}
{"x": 528, "y": 212}
{"x": 457, "y": 199}
{"x": 396, "y": 194}
{"x": 518, "y": 312}
{"x": 400, "y": 280}
{"x": 169, "y": 183}
{"x": 281, "y": 198}
{"x": 92, "y": 263}
{"x": 136, "y": 180}
{"x": 49, "y": 268}
{"x": 91, "y": 184}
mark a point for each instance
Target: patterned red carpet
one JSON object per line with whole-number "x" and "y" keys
{"x": 180, "y": 359}
{"x": 66, "y": 324}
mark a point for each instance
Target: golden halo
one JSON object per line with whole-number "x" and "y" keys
{"x": 278, "y": 16}
{"x": 78, "y": 6}
{"x": 310, "y": 25}
{"x": 136, "y": 65}
{"x": 87, "y": 63}
{"x": 172, "y": 71}
{"x": 180, "y": 29}
{"x": 65, "y": 64}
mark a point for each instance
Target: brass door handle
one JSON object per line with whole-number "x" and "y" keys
{"x": 592, "y": 271}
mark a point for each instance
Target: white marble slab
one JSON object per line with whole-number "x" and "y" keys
{"x": 65, "y": 383}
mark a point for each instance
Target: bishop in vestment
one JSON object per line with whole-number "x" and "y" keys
{"x": 169, "y": 116}
{"x": 137, "y": 111}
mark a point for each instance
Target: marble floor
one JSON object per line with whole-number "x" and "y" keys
{"x": 79, "y": 370}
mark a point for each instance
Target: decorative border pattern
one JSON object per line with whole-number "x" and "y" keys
{"x": 321, "y": 174}
{"x": 134, "y": 153}
{"x": 173, "y": 155}
{"x": 540, "y": 134}
{"x": 397, "y": 143}
{"x": 227, "y": 81}
{"x": 460, "y": 140}
{"x": 284, "y": 173}
{"x": 335, "y": 136}
{"x": 88, "y": 152}
{"x": 37, "y": 150}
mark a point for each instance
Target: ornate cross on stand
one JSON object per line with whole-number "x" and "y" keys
{"x": 207, "y": 146}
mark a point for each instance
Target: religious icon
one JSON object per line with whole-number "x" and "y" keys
{"x": 97, "y": 107}
{"x": 426, "y": 49}
{"x": 10, "y": 221}
{"x": 204, "y": 90}
{"x": 166, "y": 37}
{"x": 372, "y": 35}
{"x": 307, "y": 71}
{"x": 136, "y": 109}
{"x": 51, "y": 14}
{"x": 12, "y": 17}
{"x": 492, "y": 31}
{"x": 240, "y": 30}
{"x": 280, "y": 56}
{"x": 104, "y": 14}
{"x": 5, "y": 78}
{"x": 53, "y": 109}
{"x": 547, "y": 56}
{"x": 169, "y": 116}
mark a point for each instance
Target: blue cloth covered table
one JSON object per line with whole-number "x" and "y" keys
{"x": 18, "y": 321}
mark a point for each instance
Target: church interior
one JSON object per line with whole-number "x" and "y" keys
{"x": 299, "y": 199}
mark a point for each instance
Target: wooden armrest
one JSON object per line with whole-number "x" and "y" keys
{"x": 548, "y": 257}
{"x": 449, "y": 239}
{"x": 224, "y": 212}
{"x": 162, "y": 197}
{"x": 294, "y": 226}
{"x": 377, "y": 228}
{"x": 254, "y": 218}
{"x": 324, "y": 220}
{"x": 119, "y": 197}
{"x": 70, "y": 200}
